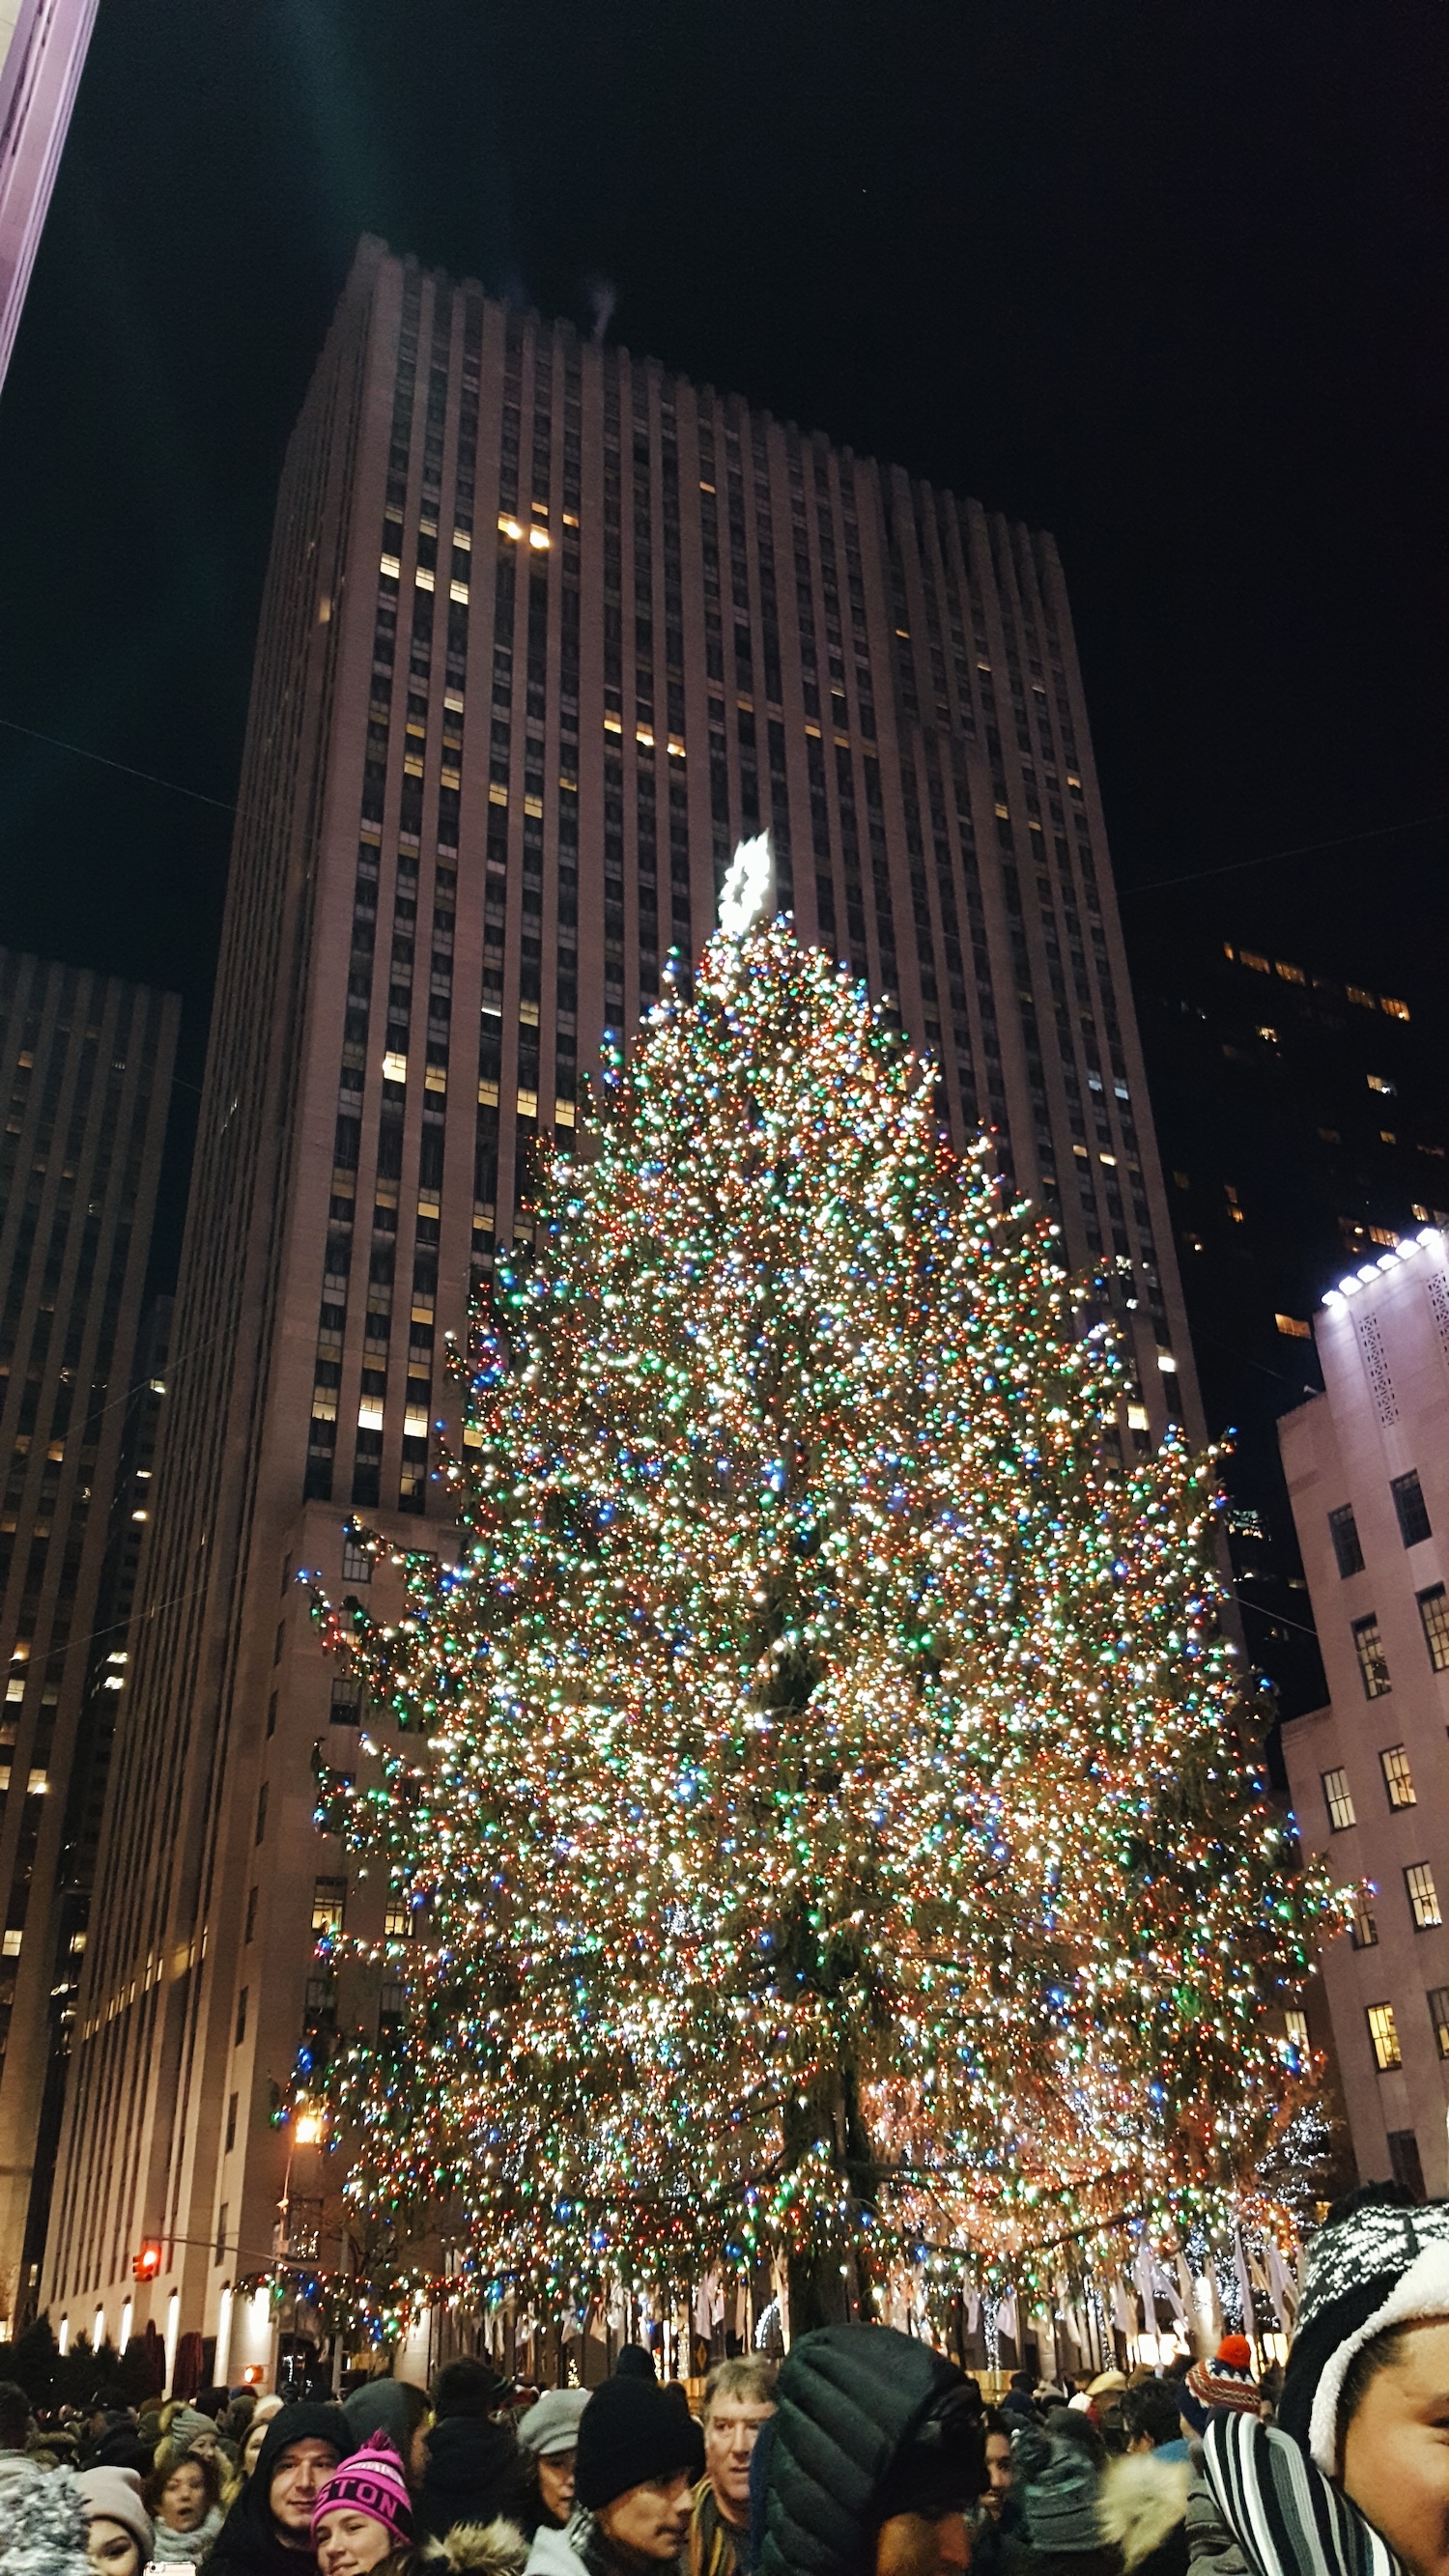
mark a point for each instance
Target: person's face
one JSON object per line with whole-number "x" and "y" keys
{"x": 250, "y": 2447}
{"x": 731, "y": 2430}
{"x": 556, "y": 2484}
{"x": 917, "y": 2544}
{"x": 348, "y": 2543}
{"x": 205, "y": 2444}
{"x": 652, "y": 2519}
{"x": 418, "y": 2452}
{"x": 112, "y": 2548}
{"x": 297, "y": 2475}
{"x": 183, "y": 2497}
{"x": 1395, "y": 2459}
{"x": 998, "y": 2471}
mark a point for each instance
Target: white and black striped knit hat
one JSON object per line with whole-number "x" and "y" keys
{"x": 1380, "y": 2259}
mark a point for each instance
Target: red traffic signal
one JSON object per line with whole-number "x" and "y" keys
{"x": 147, "y": 2263}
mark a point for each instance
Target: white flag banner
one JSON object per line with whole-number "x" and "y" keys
{"x": 1281, "y": 2288}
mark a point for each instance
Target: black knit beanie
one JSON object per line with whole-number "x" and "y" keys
{"x": 1379, "y": 2260}
{"x": 631, "y": 2432}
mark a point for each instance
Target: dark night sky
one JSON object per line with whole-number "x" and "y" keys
{"x": 1168, "y": 280}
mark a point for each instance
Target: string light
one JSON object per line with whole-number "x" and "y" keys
{"x": 823, "y": 1817}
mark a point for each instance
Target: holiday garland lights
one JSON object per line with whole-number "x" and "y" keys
{"x": 823, "y": 1802}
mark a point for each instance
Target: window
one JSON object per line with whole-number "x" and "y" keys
{"x": 261, "y": 1811}
{"x": 398, "y": 1921}
{"x": 241, "y": 2017}
{"x": 346, "y": 1702}
{"x": 1438, "y": 2000}
{"x": 1404, "y": 2159}
{"x": 1434, "y": 1611}
{"x": 1410, "y": 1505}
{"x": 1338, "y": 1798}
{"x": 1371, "y": 1661}
{"x": 329, "y": 1904}
{"x": 1423, "y": 1896}
{"x": 1295, "y": 1327}
{"x": 1398, "y": 1778}
{"x": 1363, "y": 1931}
{"x": 1343, "y": 1530}
{"x": 222, "y": 2215}
{"x": 231, "y": 2122}
{"x": 356, "y": 1563}
{"x": 252, "y": 1894}
{"x": 1383, "y": 2034}
{"x": 1295, "y": 2025}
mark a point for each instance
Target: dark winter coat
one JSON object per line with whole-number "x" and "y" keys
{"x": 248, "y": 2543}
{"x": 474, "y": 2474}
{"x": 851, "y": 2400}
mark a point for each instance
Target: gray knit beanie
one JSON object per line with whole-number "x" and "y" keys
{"x": 1059, "y": 2483}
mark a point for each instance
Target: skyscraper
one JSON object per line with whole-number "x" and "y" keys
{"x": 43, "y": 45}
{"x": 546, "y": 630}
{"x": 87, "y": 1071}
{"x": 1366, "y": 1469}
{"x": 1302, "y": 1119}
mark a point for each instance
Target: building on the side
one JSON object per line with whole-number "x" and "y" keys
{"x": 42, "y": 55}
{"x": 1367, "y": 1464}
{"x": 546, "y": 630}
{"x": 86, "y": 1065}
{"x": 1303, "y": 1122}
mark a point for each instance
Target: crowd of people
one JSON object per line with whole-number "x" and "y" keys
{"x": 870, "y": 2453}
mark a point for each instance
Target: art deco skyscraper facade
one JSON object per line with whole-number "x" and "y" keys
{"x": 546, "y": 629}
{"x": 43, "y": 46}
{"x": 85, "y": 1063}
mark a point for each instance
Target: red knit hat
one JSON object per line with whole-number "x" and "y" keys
{"x": 371, "y": 2482}
{"x": 1224, "y": 2383}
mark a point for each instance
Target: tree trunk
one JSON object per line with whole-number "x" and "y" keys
{"x": 829, "y": 2277}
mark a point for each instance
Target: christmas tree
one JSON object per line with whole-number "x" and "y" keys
{"x": 824, "y": 1820}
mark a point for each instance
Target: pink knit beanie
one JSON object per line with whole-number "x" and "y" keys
{"x": 371, "y": 2482}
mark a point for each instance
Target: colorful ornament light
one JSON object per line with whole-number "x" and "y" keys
{"x": 824, "y": 1812}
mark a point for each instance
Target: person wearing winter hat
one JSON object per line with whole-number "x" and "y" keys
{"x": 43, "y": 2525}
{"x": 635, "y": 2361}
{"x": 363, "y": 2512}
{"x": 876, "y": 2458}
{"x": 1225, "y": 2382}
{"x": 638, "y": 2456}
{"x": 472, "y": 2473}
{"x": 119, "y": 2534}
{"x": 1353, "y": 2480}
{"x": 268, "y": 2531}
{"x": 1058, "y": 2469}
{"x": 398, "y": 2410}
{"x": 548, "y": 2437}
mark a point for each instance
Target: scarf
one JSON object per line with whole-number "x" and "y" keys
{"x": 713, "y": 2542}
{"x": 183, "y": 2548}
{"x": 1287, "y": 2518}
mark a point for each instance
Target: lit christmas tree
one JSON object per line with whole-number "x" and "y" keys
{"x": 824, "y": 1806}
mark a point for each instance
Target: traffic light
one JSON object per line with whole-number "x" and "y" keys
{"x": 148, "y": 2262}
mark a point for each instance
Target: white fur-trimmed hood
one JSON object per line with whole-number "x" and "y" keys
{"x": 1142, "y": 2500}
